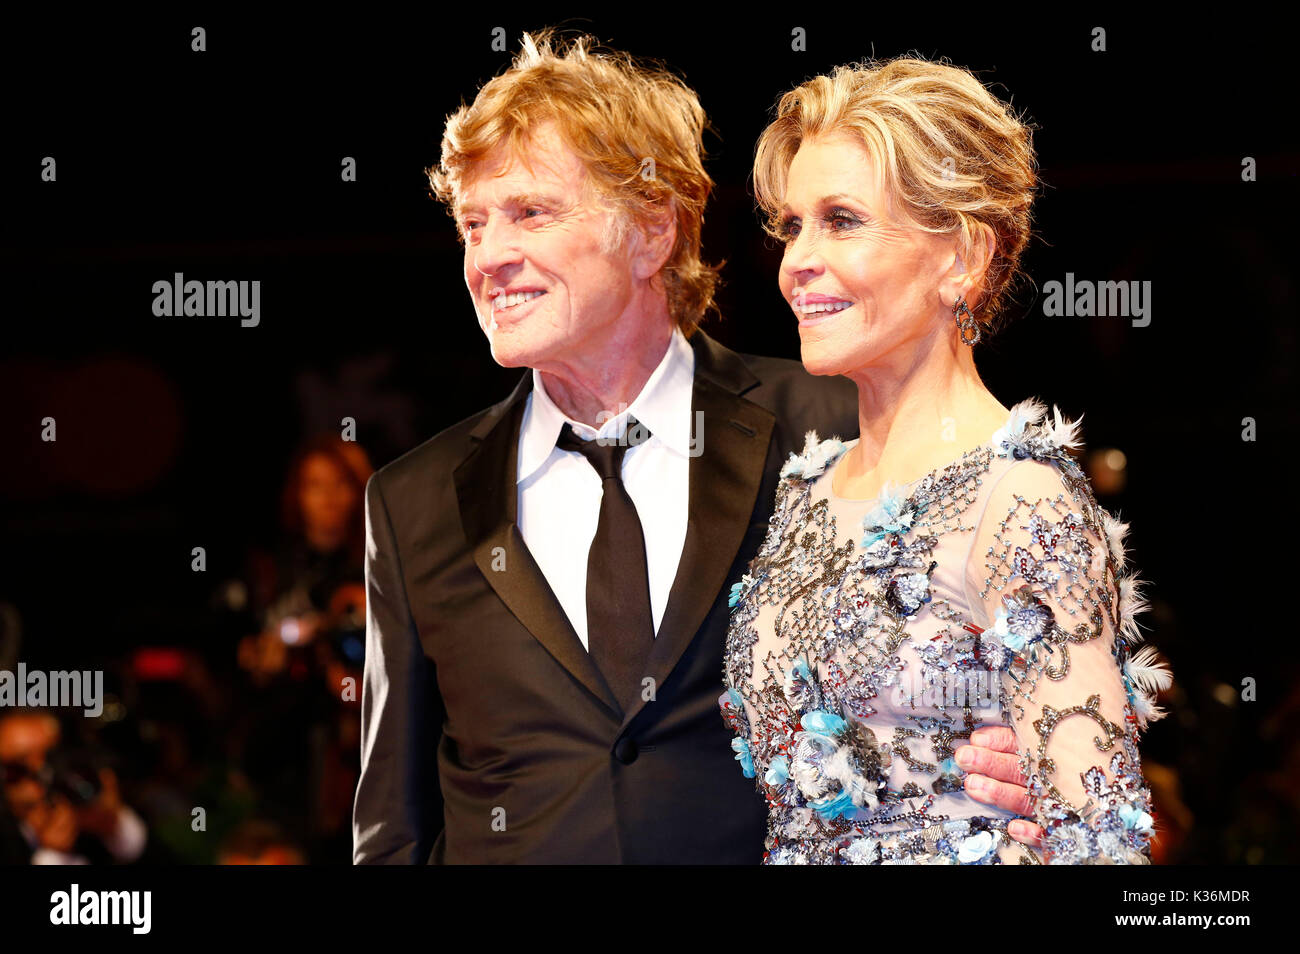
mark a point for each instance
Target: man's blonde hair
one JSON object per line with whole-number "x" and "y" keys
{"x": 951, "y": 156}
{"x": 636, "y": 127}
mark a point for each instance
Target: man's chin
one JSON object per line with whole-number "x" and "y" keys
{"x": 509, "y": 353}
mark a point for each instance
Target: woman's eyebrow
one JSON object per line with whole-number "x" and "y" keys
{"x": 828, "y": 200}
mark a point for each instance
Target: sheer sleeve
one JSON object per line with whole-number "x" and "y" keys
{"x": 1046, "y": 582}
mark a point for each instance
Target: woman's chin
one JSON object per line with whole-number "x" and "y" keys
{"x": 819, "y": 359}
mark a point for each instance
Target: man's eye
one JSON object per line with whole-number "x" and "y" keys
{"x": 529, "y": 213}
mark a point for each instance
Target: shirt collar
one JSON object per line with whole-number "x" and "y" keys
{"x": 663, "y": 406}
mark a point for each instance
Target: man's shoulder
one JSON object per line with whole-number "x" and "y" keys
{"x": 432, "y": 462}
{"x": 799, "y": 399}
{"x": 791, "y": 374}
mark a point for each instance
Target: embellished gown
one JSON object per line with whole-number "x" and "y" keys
{"x": 869, "y": 637}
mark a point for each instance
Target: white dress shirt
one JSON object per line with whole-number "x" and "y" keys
{"x": 560, "y": 492}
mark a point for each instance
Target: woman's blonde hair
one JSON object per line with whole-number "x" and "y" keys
{"x": 951, "y": 156}
{"x": 637, "y": 128}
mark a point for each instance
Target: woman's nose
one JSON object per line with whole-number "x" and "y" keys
{"x": 801, "y": 257}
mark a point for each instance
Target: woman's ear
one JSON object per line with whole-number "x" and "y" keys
{"x": 965, "y": 278}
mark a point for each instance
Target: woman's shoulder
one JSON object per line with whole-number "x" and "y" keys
{"x": 1040, "y": 504}
{"x": 1033, "y": 455}
{"x": 1030, "y": 433}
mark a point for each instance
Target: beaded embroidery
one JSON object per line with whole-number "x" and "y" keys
{"x": 855, "y": 667}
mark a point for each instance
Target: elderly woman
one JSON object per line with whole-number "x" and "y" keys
{"x": 950, "y": 566}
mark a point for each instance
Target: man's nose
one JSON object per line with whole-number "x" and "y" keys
{"x": 497, "y": 247}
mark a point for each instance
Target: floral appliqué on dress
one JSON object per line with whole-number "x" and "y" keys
{"x": 989, "y": 591}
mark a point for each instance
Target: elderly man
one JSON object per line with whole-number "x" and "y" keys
{"x": 547, "y": 580}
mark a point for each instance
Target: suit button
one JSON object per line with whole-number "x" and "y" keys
{"x": 625, "y": 751}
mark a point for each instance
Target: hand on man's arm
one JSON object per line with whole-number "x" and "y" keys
{"x": 993, "y": 777}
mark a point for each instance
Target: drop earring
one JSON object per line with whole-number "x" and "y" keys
{"x": 966, "y": 323}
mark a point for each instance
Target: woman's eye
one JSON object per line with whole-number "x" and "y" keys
{"x": 788, "y": 230}
{"x": 835, "y": 218}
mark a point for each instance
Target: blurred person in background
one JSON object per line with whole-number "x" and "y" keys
{"x": 321, "y": 551}
{"x": 301, "y": 730}
{"x": 259, "y": 842}
{"x": 62, "y": 801}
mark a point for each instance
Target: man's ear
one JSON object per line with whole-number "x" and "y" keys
{"x": 656, "y": 238}
{"x": 965, "y": 278}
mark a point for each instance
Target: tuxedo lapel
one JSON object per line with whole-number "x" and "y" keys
{"x": 724, "y": 478}
{"x": 487, "y": 491}
{"x": 732, "y": 437}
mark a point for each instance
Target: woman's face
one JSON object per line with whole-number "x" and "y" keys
{"x": 327, "y": 496}
{"x": 865, "y": 288}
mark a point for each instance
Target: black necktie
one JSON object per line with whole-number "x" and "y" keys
{"x": 620, "y": 627}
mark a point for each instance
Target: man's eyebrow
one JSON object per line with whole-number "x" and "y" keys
{"x": 516, "y": 200}
{"x": 533, "y": 198}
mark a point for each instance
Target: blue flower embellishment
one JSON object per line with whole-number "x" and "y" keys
{"x": 1135, "y": 818}
{"x": 738, "y": 590}
{"x": 824, "y": 723}
{"x": 976, "y": 848}
{"x": 736, "y": 701}
{"x": 825, "y": 766}
{"x": 744, "y": 756}
{"x": 1014, "y": 641}
{"x": 892, "y": 515}
{"x": 834, "y": 806}
{"x": 778, "y": 772}
{"x": 815, "y": 458}
{"x": 1011, "y": 440}
{"x": 1022, "y": 620}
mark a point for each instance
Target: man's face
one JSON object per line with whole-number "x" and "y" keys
{"x": 545, "y": 290}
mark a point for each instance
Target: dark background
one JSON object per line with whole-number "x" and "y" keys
{"x": 174, "y": 433}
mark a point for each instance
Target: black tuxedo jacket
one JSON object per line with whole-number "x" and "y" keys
{"x": 488, "y": 734}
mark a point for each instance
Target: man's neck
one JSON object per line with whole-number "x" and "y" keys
{"x": 596, "y": 391}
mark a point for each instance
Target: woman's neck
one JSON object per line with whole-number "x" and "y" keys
{"x": 915, "y": 417}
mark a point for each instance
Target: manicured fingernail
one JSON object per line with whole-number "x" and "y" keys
{"x": 978, "y": 737}
{"x": 965, "y": 757}
{"x": 1018, "y": 829}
